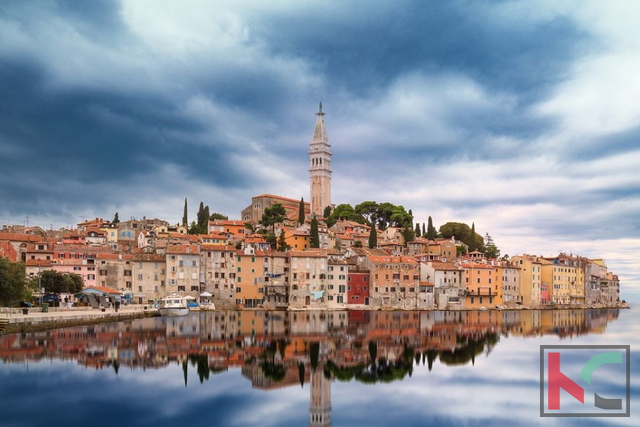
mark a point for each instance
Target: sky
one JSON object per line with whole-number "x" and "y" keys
{"x": 519, "y": 116}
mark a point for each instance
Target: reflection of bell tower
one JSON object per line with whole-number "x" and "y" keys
{"x": 320, "y": 409}
{"x": 320, "y": 167}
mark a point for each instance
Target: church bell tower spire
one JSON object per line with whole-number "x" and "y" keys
{"x": 320, "y": 167}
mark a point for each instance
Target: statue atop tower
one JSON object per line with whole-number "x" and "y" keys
{"x": 320, "y": 167}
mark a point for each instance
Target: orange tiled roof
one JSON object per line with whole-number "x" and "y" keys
{"x": 183, "y": 249}
{"x": 217, "y": 247}
{"x": 311, "y": 253}
{"x": 20, "y": 237}
{"x": 281, "y": 198}
{"x": 444, "y": 265}
{"x": 392, "y": 259}
{"x": 103, "y": 289}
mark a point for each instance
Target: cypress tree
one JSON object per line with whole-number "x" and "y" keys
{"x": 417, "y": 230}
{"x": 116, "y": 219}
{"x": 424, "y": 232}
{"x": 185, "y": 219}
{"x": 373, "y": 237}
{"x": 301, "y": 212}
{"x": 199, "y": 218}
{"x": 472, "y": 239}
{"x": 431, "y": 230}
{"x": 314, "y": 236}
{"x": 327, "y": 212}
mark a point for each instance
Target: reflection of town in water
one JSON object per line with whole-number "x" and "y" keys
{"x": 281, "y": 349}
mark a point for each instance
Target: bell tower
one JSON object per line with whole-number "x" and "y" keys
{"x": 320, "y": 167}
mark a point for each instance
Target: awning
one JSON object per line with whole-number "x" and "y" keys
{"x": 206, "y": 294}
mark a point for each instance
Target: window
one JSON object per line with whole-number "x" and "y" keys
{"x": 181, "y": 288}
{"x": 139, "y": 276}
{"x": 238, "y": 290}
{"x": 194, "y": 263}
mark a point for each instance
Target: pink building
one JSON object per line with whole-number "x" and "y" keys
{"x": 544, "y": 294}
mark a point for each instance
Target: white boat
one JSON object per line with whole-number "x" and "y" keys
{"x": 174, "y": 305}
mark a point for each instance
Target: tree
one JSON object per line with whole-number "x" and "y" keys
{"x": 194, "y": 228}
{"x": 56, "y": 282}
{"x": 75, "y": 283}
{"x": 424, "y": 231}
{"x": 462, "y": 232}
{"x": 491, "y": 251}
{"x": 12, "y": 282}
{"x": 344, "y": 211}
{"x": 373, "y": 237}
{"x": 472, "y": 238}
{"x": 282, "y": 244}
{"x": 357, "y": 244}
{"x": 214, "y": 216}
{"x": 431, "y": 230}
{"x": 368, "y": 210}
{"x": 411, "y": 215}
{"x": 401, "y": 218}
{"x": 458, "y": 230}
{"x": 408, "y": 234}
{"x": 272, "y": 216}
{"x": 116, "y": 219}
{"x": 301, "y": 215}
{"x": 461, "y": 250}
{"x": 270, "y": 237}
{"x": 418, "y": 232}
{"x": 327, "y": 212}
{"x": 314, "y": 235}
{"x": 185, "y": 218}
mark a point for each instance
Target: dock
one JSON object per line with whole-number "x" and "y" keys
{"x": 15, "y": 320}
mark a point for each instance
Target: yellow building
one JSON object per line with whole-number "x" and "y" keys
{"x": 249, "y": 279}
{"x": 565, "y": 279}
{"x": 530, "y": 278}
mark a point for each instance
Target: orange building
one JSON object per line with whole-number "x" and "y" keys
{"x": 250, "y": 279}
{"x": 481, "y": 288}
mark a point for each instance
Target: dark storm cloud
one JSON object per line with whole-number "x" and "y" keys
{"x": 366, "y": 44}
{"x": 93, "y": 137}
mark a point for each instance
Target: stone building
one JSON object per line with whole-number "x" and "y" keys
{"x": 395, "y": 282}
{"x": 308, "y": 278}
{"x": 218, "y": 272}
{"x": 149, "y": 277}
{"x": 276, "y": 280}
{"x": 183, "y": 269}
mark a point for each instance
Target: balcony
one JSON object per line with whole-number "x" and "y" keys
{"x": 480, "y": 292}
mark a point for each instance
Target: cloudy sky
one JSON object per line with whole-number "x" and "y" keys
{"x": 521, "y": 116}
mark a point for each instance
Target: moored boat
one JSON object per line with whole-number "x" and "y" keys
{"x": 174, "y": 305}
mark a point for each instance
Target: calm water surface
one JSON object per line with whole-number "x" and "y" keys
{"x": 304, "y": 368}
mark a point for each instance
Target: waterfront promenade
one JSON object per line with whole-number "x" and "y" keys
{"x": 14, "y": 320}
